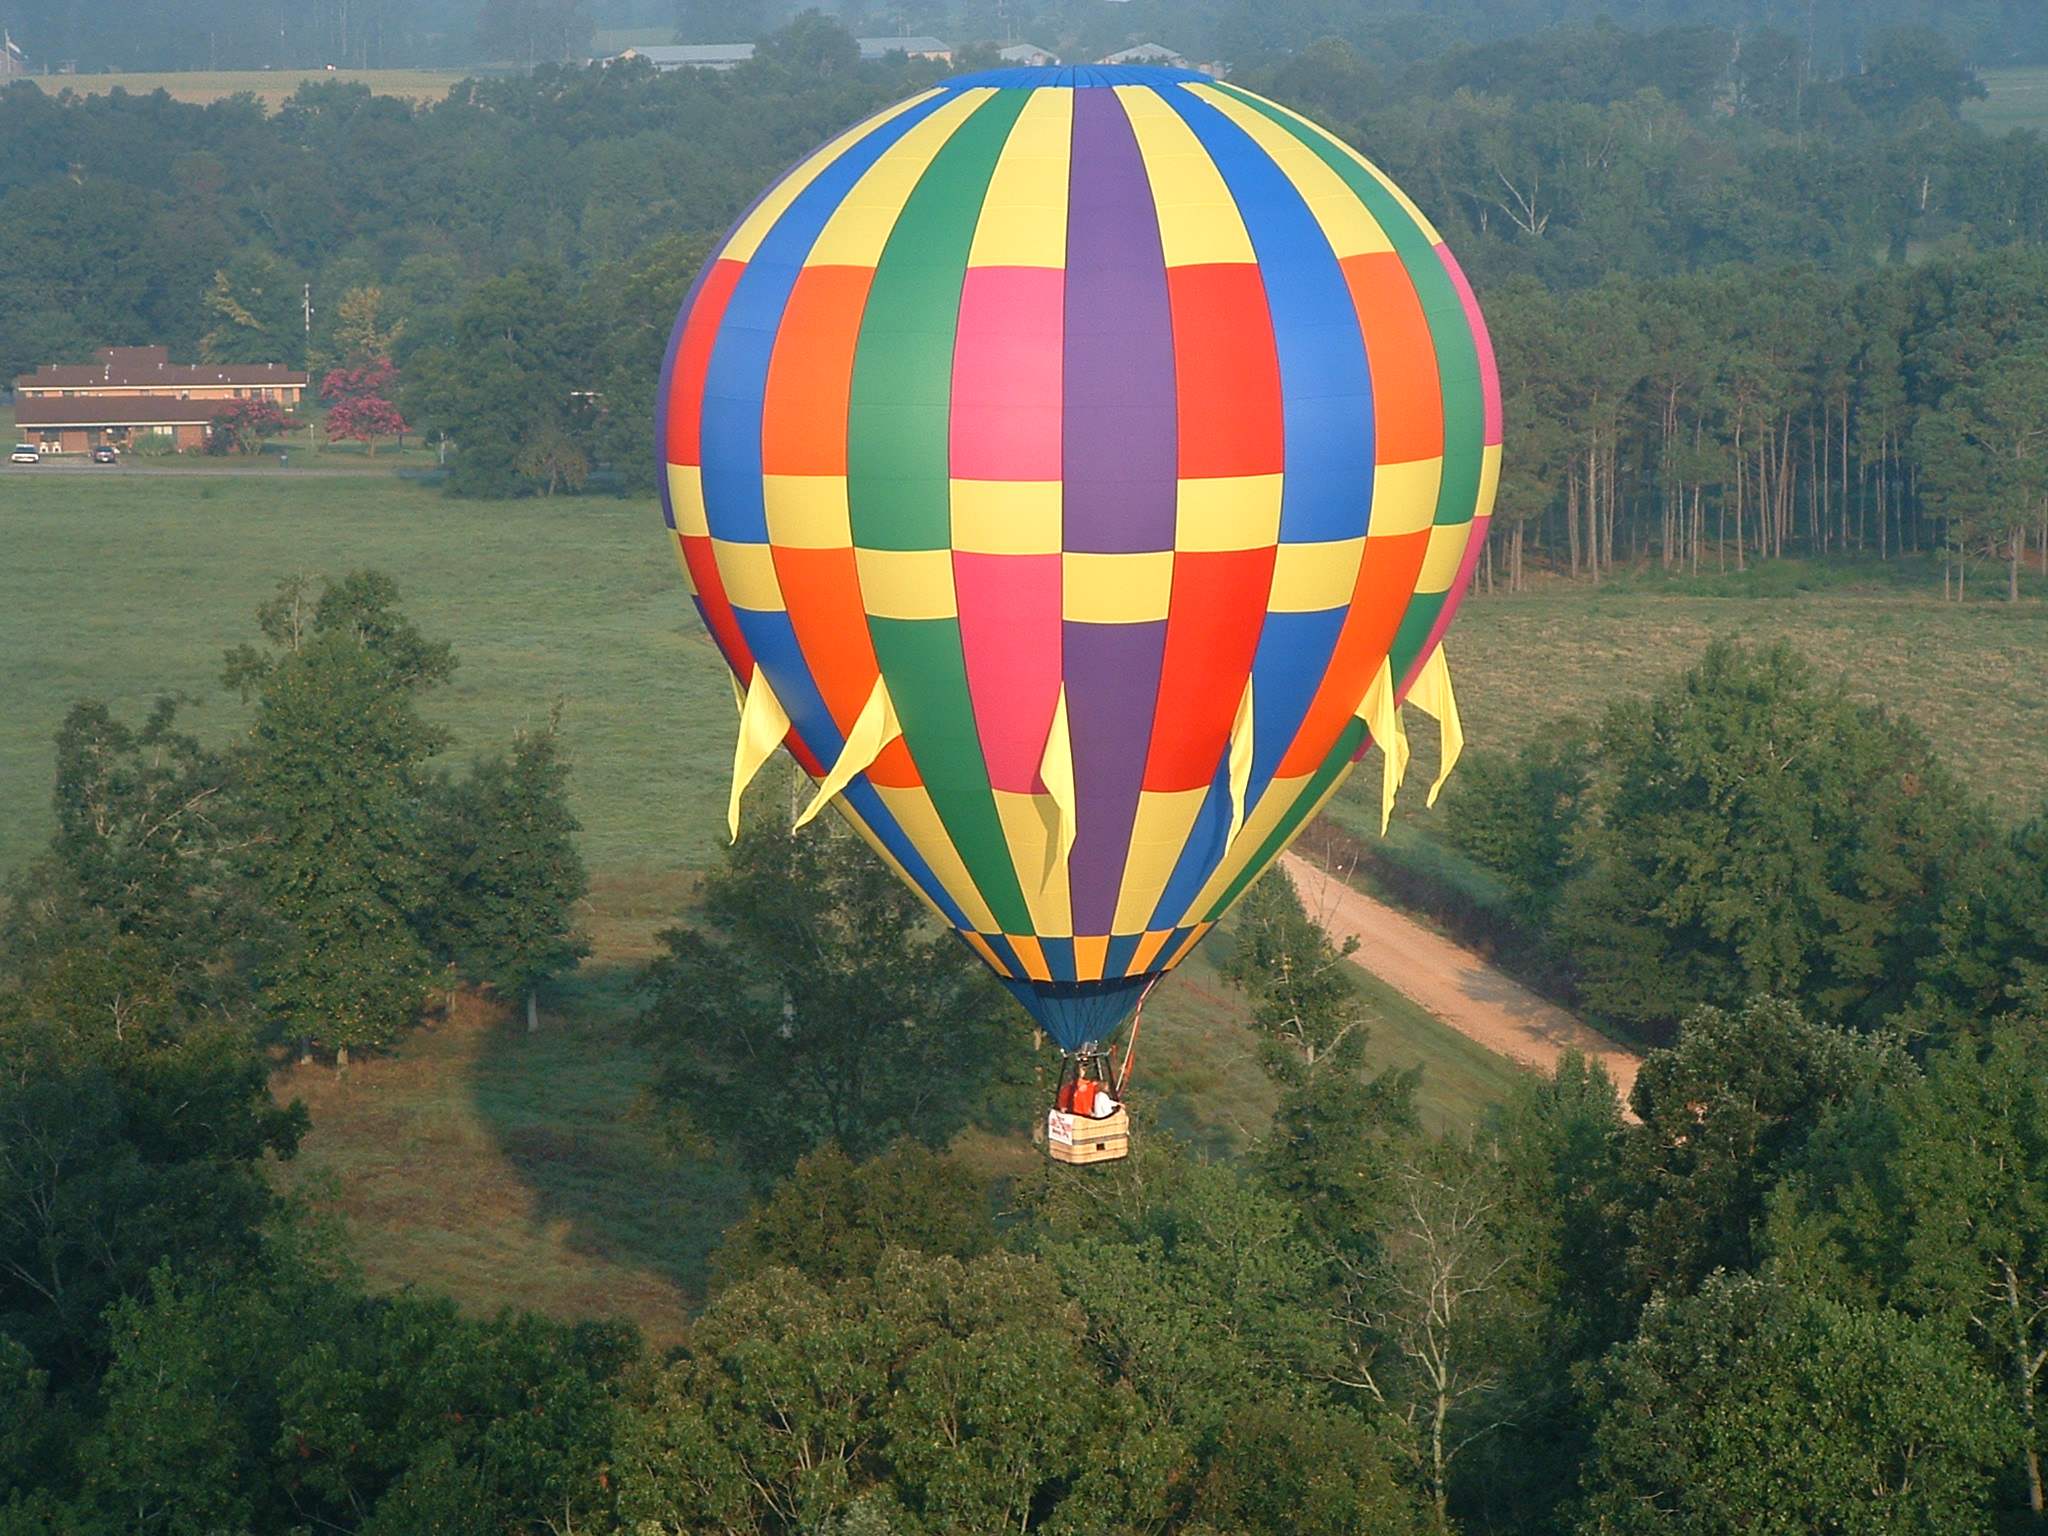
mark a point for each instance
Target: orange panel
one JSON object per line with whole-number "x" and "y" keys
{"x": 821, "y": 590}
{"x": 803, "y": 414}
{"x": 1407, "y": 395}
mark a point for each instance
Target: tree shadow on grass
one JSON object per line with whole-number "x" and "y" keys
{"x": 565, "y": 1106}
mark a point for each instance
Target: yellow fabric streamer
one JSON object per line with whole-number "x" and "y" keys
{"x": 1056, "y": 768}
{"x": 1383, "y": 719}
{"x": 1240, "y": 761}
{"x": 1432, "y": 695}
{"x": 763, "y": 725}
{"x": 874, "y": 730}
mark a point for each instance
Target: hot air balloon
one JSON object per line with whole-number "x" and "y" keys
{"x": 1077, "y": 468}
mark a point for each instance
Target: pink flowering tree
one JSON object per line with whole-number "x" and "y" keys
{"x": 359, "y": 405}
{"x": 239, "y": 426}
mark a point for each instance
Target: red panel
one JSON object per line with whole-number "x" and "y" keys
{"x": 1407, "y": 397}
{"x": 803, "y": 416}
{"x": 1386, "y": 581}
{"x": 821, "y": 590}
{"x": 693, "y": 360}
{"x": 1226, "y": 371}
{"x": 1212, "y": 632}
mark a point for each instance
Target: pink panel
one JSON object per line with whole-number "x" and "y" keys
{"x": 1482, "y": 341}
{"x": 1006, "y": 374}
{"x": 1010, "y": 634}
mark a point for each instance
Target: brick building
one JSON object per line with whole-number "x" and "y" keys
{"x": 126, "y": 392}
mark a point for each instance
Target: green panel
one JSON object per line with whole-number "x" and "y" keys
{"x": 899, "y": 489}
{"x": 1333, "y": 766}
{"x": 1416, "y": 624}
{"x": 927, "y": 674}
{"x": 897, "y": 483}
{"x": 1456, "y": 353}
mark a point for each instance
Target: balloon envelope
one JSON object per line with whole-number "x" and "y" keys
{"x": 1080, "y": 445}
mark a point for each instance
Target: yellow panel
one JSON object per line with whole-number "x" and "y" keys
{"x": 1237, "y": 512}
{"x": 907, "y": 583}
{"x": 682, "y": 561}
{"x": 1186, "y": 946}
{"x": 1148, "y": 949}
{"x": 1031, "y": 827}
{"x": 1157, "y": 837}
{"x": 1308, "y": 578}
{"x": 807, "y": 511}
{"x": 686, "y": 496}
{"x": 860, "y": 225}
{"x": 1346, "y": 222}
{"x": 1007, "y": 517}
{"x": 1024, "y": 217}
{"x": 867, "y": 833}
{"x": 1116, "y": 589}
{"x": 1489, "y": 481}
{"x": 1259, "y": 822}
{"x": 1378, "y": 175}
{"x": 748, "y": 571}
{"x": 1404, "y": 496}
{"x": 747, "y": 238}
{"x": 1031, "y": 954}
{"x": 1198, "y": 218}
{"x": 919, "y": 819}
{"x": 1446, "y": 548}
{"x": 1090, "y": 955}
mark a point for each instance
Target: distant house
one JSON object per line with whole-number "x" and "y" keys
{"x": 130, "y": 391}
{"x": 1028, "y": 55}
{"x": 1146, "y": 53}
{"x": 668, "y": 56}
{"x": 916, "y": 47}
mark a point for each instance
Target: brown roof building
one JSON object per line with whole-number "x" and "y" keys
{"x": 125, "y": 391}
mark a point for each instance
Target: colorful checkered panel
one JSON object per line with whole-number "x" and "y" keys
{"x": 1093, "y": 438}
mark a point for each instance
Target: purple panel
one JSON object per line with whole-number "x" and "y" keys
{"x": 1112, "y": 675}
{"x": 1120, "y": 448}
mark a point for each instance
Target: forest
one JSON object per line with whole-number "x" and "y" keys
{"x": 1755, "y": 296}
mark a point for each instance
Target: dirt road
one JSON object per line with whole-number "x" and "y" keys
{"x": 1453, "y": 983}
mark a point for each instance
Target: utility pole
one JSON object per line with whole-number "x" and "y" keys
{"x": 309, "y": 313}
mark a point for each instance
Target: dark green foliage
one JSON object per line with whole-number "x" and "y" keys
{"x": 1760, "y": 831}
{"x": 1283, "y": 1471}
{"x": 815, "y": 1002}
{"x": 1750, "y": 1407}
{"x": 1521, "y": 816}
{"x": 331, "y": 780}
{"x": 508, "y": 873}
{"x": 1723, "y": 1115}
{"x": 832, "y": 1219}
{"x": 1303, "y": 1003}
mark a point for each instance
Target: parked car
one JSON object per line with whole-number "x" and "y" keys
{"x": 103, "y": 455}
{"x": 27, "y": 453}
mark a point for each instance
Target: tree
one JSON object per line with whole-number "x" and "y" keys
{"x": 833, "y": 1219}
{"x": 240, "y": 426}
{"x": 813, "y": 1001}
{"x": 1722, "y": 1116}
{"x": 256, "y": 305}
{"x": 534, "y": 31}
{"x": 508, "y": 876}
{"x": 1303, "y": 1002}
{"x": 361, "y": 410}
{"x": 1751, "y": 1407}
{"x": 332, "y": 781}
{"x": 1934, "y": 1199}
{"x": 1984, "y": 460}
{"x": 1760, "y": 832}
{"x": 363, "y": 334}
{"x": 1521, "y": 816}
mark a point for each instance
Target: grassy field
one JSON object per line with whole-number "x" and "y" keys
{"x": 509, "y": 1168}
{"x": 2018, "y": 99}
{"x": 269, "y": 86}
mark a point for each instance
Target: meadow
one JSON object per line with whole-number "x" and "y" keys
{"x": 2015, "y": 98}
{"x": 505, "y": 1167}
{"x": 272, "y": 87}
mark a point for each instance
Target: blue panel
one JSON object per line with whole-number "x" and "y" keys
{"x": 1294, "y": 652}
{"x": 1059, "y": 958}
{"x": 1325, "y": 384}
{"x": 1072, "y": 75}
{"x": 868, "y": 805}
{"x": 737, "y": 380}
{"x": 1199, "y": 854}
{"x": 1078, "y": 1013}
{"x": 1117, "y": 961}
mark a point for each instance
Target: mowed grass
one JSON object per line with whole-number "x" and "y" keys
{"x": 127, "y": 587}
{"x": 1973, "y": 676}
{"x": 2018, "y": 98}
{"x": 272, "y": 87}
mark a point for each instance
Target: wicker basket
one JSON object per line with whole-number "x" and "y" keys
{"x": 1080, "y": 1139}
